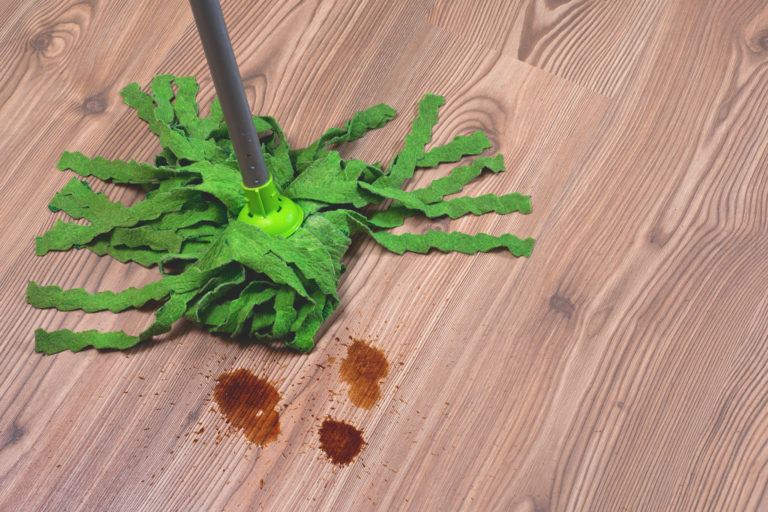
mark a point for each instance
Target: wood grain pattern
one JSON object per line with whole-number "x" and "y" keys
{"x": 622, "y": 367}
{"x": 593, "y": 43}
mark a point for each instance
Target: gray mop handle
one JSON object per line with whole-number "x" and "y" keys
{"x": 229, "y": 88}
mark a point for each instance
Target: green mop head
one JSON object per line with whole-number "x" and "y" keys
{"x": 230, "y": 277}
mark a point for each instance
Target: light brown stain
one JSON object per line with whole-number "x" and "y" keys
{"x": 248, "y": 403}
{"x": 363, "y": 369}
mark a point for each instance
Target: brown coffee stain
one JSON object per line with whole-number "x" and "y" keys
{"x": 340, "y": 441}
{"x": 248, "y": 403}
{"x": 363, "y": 369}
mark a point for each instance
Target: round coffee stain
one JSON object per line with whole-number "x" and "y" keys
{"x": 340, "y": 441}
{"x": 363, "y": 368}
{"x": 248, "y": 403}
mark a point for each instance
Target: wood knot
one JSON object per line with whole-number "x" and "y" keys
{"x": 493, "y": 137}
{"x": 524, "y": 504}
{"x": 255, "y": 85}
{"x": 94, "y": 105}
{"x": 442, "y": 224}
{"x": 760, "y": 41}
{"x": 40, "y": 42}
{"x": 658, "y": 237}
{"x": 15, "y": 434}
{"x": 562, "y": 305}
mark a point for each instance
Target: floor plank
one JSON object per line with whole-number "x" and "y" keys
{"x": 596, "y": 44}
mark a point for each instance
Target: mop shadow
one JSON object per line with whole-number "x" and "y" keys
{"x": 184, "y": 327}
{"x": 275, "y": 345}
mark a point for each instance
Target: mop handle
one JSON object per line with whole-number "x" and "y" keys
{"x": 229, "y": 88}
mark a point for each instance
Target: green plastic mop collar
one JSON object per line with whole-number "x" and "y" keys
{"x": 270, "y": 211}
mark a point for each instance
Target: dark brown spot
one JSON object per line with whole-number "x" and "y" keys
{"x": 248, "y": 403}
{"x": 562, "y": 305}
{"x": 94, "y": 105}
{"x": 340, "y": 441}
{"x": 363, "y": 368}
{"x": 40, "y": 42}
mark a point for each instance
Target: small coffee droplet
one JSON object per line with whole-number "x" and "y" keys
{"x": 340, "y": 441}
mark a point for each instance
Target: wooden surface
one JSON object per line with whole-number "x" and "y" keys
{"x": 622, "y": 367}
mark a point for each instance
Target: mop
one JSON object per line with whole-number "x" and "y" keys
{"x": 247, "y": 232}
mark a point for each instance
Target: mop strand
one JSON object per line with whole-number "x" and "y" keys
{"x": 226, "y": 275}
